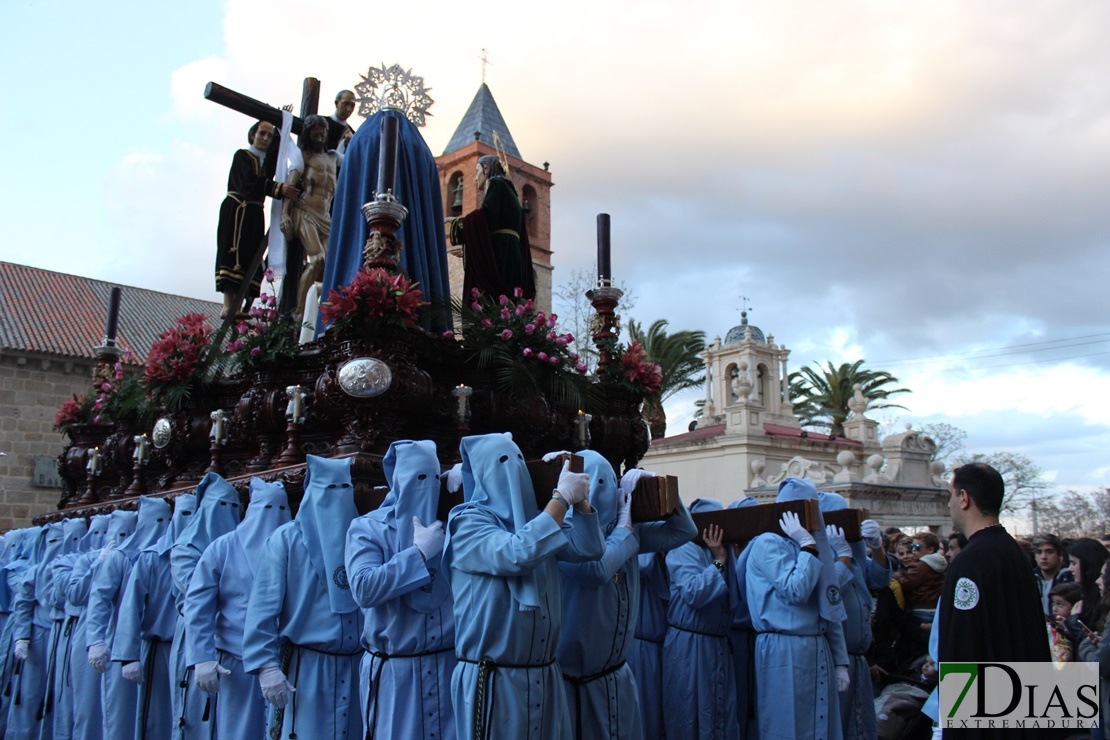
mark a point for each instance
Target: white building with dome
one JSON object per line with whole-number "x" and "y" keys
{"x": 749, "y": 440}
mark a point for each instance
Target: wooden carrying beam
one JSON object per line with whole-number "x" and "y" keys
{"x": 655, "y": 498}
{"x": 849, "y": 520}
{"x": 544, "y": 475}
{"x": 746, "y": 523}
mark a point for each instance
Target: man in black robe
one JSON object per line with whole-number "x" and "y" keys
{"x": 989, "y": 607}
{"x": 242, "y": 221}
{"x": 496, "y": 255}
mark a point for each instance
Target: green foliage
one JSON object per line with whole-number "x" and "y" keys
{"x": 820, "y": 395}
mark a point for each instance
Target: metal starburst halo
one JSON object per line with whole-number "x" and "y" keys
{"x": 393, "y": 88}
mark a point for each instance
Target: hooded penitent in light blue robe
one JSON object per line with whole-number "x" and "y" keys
{"x": 18, "y": 547}
{"x": 741, "y": 637}
{"x": 857, "y": 704}
{"x": 700, "y": 696}
{"x": 601, "y": 606}
{"x": 409, "y": 632}
{"x": 301, "y": 606}
{"x": 72, "y": 532}
{"x": 148, "y": 618}
{"x": 119, "y": 697}
{"x": 501, "y": 555}
{"x": 88, "y": 713}
{"x": 32, "y": 622}
{"x": 646, "y": 656}
{"x": 215, "y": 612}
{"x": 797, "y": 649}
{"x": 217, "y": 513}
{"x": 64, "y": 680}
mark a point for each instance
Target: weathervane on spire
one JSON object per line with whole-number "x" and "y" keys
{"x": 393, "y": 88}
{"x": 745, "y": 306}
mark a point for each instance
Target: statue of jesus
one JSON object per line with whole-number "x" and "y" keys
{"x": 308, "y": 219}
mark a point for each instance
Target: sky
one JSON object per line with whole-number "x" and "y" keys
{"x": 921, "y": 185}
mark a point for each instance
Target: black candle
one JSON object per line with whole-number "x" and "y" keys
{"x": 113, "y": 317}
{"x": 604, "y": 268}
{"x": 387, "y": 156}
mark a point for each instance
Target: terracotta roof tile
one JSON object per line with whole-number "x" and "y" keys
{"x": 60, "y": 314}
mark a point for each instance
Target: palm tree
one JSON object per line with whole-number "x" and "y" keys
{"x": 820, "y": 396}
{"x": 679, "y": 357}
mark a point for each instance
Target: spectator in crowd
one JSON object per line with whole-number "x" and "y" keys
{"x": 1049, "y": 553}
{"x": 1086, "y": 557}
{"x": 956, "y": 542}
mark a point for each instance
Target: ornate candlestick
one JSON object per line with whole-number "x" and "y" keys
{"x": 92, "y": 470}
{"x": 141, "y": 455}
{"x": 606, "y": 324}
{"x": 294, "y": 417}
{"x": 462, "y": 394}
{"x": 384, "y": 214}
{"x": 107, "y": 354}
{"x": 218, "y": 437}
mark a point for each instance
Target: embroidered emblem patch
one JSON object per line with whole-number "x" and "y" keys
{"x": 967, "y": 594}
{"x": 832, "y": 594}
{"x": 340, "y": 577}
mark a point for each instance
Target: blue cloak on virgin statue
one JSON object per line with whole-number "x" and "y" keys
{"x": 424, "y": 256}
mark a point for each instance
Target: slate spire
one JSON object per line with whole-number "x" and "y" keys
{"x": 484, "y": 117}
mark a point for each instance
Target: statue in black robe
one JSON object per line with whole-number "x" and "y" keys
{"x": 496, "y": 255}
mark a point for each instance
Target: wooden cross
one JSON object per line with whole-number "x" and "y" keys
{"x": 294, "y": 254}
{"x": 485, "y": 62}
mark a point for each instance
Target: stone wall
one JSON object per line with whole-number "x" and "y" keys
{"x": 32, "y": 387}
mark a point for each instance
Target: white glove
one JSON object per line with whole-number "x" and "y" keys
{"x": 22, "y": 648}
{"x": 207, "y": 676}
{"x": 842, "y": 680}
{"x": 552, "y": 455}
{"x": 98, "y": 657}
{"x": 793, "y": 529}
{"x": 429, "y": 540}
{"x": 938, "y": 733}
{"x": 624, "y": 510}
{"x": 454, "y": 478}
{"x": 837, "y": 541}
{"x": 132, "y": 671}
{"x": 573, "y": 487}
{"x": 106, "y": 549}
{"x": 274, "y": 685}
{"x": 872, "y": 535}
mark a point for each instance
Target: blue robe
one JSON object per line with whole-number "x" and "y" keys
{"x": 73, "y": 531}
{"x": 700, "y": 700}
{"x": 119, "y": 698}
{"x": 217, "y": 513}
{"x": 646, "y": 656}
{"x": 424, "y": 256}
{"x": 18, "y": 547}
{"x": 741, "y": 638}
{"x": 31, "y": 615}
{"x": 501, "y": 554}
{"x": 88, "y": 712}
{"x": 301, "y": 616}
{"x": 215, "y": 611}
{"x": 857, "y": 704}
{"x": 148, "y": 620}
{"x": 409, "y": 632}
{"x": 93, "y": 539}
{"x": 601, "y": 606}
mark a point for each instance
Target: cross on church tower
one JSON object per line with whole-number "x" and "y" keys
{"x": 485, "y": 62}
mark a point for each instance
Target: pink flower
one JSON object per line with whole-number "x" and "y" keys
{"x": 519, "y": 311}
{"x": 106, "y": 387}
{"x": 119, "y": 375}
{"x": 242, "y": 327}
{"x": 553, "y": 360}
{"x": 448, "y": 334}
{"x": 518, "y": 292}
{"x": 505, "y": 314}
{"x": 542, "y": 356}
{"x": 541, "y": 318}
{"x": 474, "y": 292}
{"x": 486, "y": 323}
{"x": 256, "y": 351}
{"x": 551, "y": 321}
{"x": 506, "y": 335}
{"x": 574, "y": 357}
{"x": 503, "y": 299}
{"x": 560, "y": 340}
{"x": 256, "y": 311}
{"x": 96, "y": 419}
{"x": 234, "y": 346}
{"x": 527, "y": 352}
{"x": 269, "y": 276}
{"x": 569, "y": 336}
{"x": 581, "y": 367}
{"x": 271, "y": 313}
{"x": 529, "y": 328}
{"x": 476, "y": 306}
{"x": 529, "y": 304}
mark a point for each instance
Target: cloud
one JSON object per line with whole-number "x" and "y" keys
{"x": 186, "y": 84}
